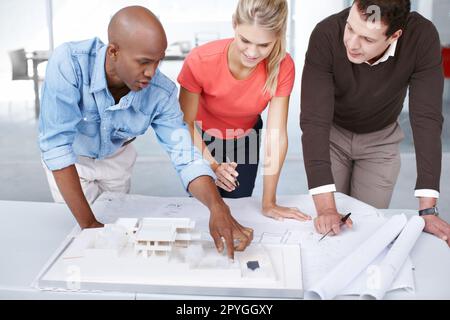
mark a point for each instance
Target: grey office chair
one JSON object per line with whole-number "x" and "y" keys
{"x": 185, "y": 46}
{"x": 19, "y": 65}
{"x": 178, "y": 50}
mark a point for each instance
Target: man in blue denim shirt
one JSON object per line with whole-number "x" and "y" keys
{"x": 96, "y": 99}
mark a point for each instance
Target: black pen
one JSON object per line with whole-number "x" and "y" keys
{"x": 343, "y": 220}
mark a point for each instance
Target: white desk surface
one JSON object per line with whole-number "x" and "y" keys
{"x": 31, "y": 232}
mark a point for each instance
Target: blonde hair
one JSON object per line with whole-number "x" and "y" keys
{"x": 271, "y": 15}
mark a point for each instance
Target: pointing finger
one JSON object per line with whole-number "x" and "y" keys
{"x": 217, "y": 241}
{"x": 230, "y": 245}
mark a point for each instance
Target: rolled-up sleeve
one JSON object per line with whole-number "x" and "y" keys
{"x": 174, "y": 137}
{"x": 60, "y": 113}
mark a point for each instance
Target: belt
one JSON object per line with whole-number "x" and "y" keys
{"x": 128, "y": 142}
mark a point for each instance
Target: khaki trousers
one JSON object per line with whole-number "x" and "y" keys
{"x": 97, "y": 176}
{"x": 366, "y": 166}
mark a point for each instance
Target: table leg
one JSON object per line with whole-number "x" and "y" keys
{"x": 36, "y": 89}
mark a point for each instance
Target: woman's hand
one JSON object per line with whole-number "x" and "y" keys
{"x": 226, "y": 176}
{"x": 280, "y": 213}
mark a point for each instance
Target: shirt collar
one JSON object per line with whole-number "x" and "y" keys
{"x": 389, "y": 53}
{"x": 130, "y": 100}
{"x": 98, "y": 81}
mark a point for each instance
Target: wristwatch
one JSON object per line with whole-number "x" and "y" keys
{"x": 428, "y": 212}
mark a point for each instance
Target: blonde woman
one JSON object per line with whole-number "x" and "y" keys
{"x": 226, "y": 85}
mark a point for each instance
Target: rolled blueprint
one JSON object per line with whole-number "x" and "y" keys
{"x": 349, "y": 268}
{"x": 382, "y": 276}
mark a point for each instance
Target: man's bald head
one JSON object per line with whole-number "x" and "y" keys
{"x": 137, "y": 43}
{"x": 134, "y": 25}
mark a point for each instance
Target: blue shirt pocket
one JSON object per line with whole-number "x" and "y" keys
{"x": 89, "y": 124}
{"x": 126, "y": 133}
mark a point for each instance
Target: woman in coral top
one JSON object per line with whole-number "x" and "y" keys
{"x": 226, "y": 85}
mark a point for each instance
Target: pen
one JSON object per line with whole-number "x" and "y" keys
{"x": 235, "y": 179}
{"x": 343, "y": 220}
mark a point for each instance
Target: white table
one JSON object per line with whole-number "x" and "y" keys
{"x": 31, "y": 232}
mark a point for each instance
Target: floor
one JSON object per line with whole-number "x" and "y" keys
{"x": 23, "y": 178}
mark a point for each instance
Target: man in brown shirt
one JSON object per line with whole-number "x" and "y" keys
{"x": 359, "y": 66}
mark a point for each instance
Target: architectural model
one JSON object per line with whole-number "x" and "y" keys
{"x": 167, "y": 255}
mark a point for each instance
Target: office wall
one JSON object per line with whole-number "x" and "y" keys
{"x": 23, "y": 23}
{"x": 308, "y": 14}
{"x": 181, "y": 19}
{"x": 441, "y": 18}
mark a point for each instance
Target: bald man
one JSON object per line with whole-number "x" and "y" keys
{"x": 97, "y": 99}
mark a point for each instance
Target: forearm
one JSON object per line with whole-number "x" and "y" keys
{"x": 274, "y": 157}
{"x": 204, "y": 190}
{"x": 426, "y": 203}
{"x": 69, "y": 185}
{"x": 200, "y": 144}
{"x": 428, "y": 148}
{"x": 325, "y": 203}
{"x": 316, "y": 156}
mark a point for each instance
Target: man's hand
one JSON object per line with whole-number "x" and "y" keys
{"x": 433, "y": 224}
{"x": 222, "y": 225}
{"x": 280, "y": 213}
{"x": 327, "y": 215}
{"x": 437, "y": 227}
{"x": 330, "y": 220}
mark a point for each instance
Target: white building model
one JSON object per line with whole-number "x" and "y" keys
{"x": 157, "y": 236}
{"x": 165, "y": 255}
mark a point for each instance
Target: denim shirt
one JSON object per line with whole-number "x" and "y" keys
{"x": 79, "y": 116}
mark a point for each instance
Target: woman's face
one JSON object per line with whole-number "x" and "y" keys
{"x": 253, "y": 43}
